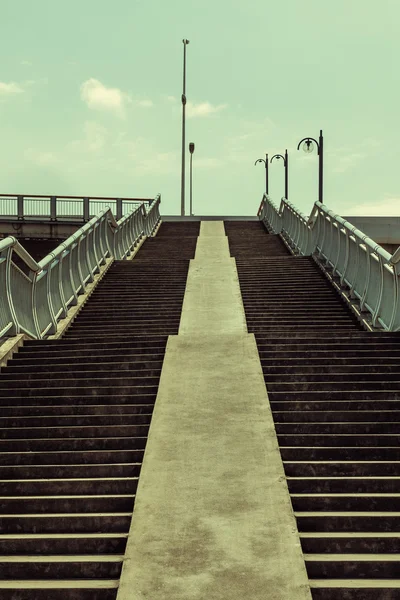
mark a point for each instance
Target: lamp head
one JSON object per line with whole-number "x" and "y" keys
{"x": 191, "y": 147}
{"x": 308, "y": 146}
{"x": 185, "y": 41}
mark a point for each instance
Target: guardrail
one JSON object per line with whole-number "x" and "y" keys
{"x": 55, "y": 208}
{"x": 34, "y": 303}
{"x": 368, "y": 273}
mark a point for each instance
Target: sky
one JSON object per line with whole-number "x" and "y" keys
{"x": 90, "y": 101}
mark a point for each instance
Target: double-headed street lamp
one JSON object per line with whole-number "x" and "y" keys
{"x": 266, "y": 170}
{"x": 185, "y": 43}
{"x": 309, "y": 147}
{"x": 191, "y": 150}
{"x": 285, "y": 162}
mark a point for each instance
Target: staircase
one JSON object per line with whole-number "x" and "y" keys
{"x": 334, "y": 391}
{"x": 75, "y": 415}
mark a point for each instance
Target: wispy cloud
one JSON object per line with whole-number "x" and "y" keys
{"x": 203, "y": 109}
{"x": 39, "y": 157}
{"x": 8, "y": 89}
{"x": 345, "y": 158}
{"x": 146, "y": 103}
{"x": 100, "y": 97}
{"x": 94, "y": 138}
{"x": 389, "y": 206}
{"x": 26, "y": 62}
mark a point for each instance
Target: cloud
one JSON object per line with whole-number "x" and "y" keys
{"x": 94, "y": 138}
{"x": 171, "y": 99}
{"x": 8, "y": 89}
{"x": 40, "y": 158}
{"x": 99, "y": 97}
{"x": 204, "y": 109}
{"x": 386, "y": 207}
{"x": 26, "y": 62}
{"x": 207, "y": 163}
{"x": 145, "y": 103}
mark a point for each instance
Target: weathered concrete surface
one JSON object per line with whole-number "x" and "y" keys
{"x": 10, "y": 346}
{"x": 213, "y": 518}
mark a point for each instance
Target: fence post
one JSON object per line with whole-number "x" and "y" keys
{"x": 53, "y": 208}
{"x": 119, "y": 209}
{"x": 86, "y": 211}
{"x": 20, "y": 207}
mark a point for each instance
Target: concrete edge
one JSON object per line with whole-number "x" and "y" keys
{"x": 65, "y": 323}
{"x": 157, "y": 228}
{"x": 10, "y": 346}
{"x": 136, "y": 250}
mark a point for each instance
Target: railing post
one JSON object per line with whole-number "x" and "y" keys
{"x": 20, "y": 207}
{"x": 53, "y": 208}
{"x": 119, "y": 209}
{"x": 86, "y": 209}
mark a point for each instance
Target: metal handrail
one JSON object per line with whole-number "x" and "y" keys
{"x": 367, "y": 271}
{"x": 63, "y": 207}
{"x": 33, "y": 303}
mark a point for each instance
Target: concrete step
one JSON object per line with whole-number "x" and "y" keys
{"x": 45, "y": 421}
{"x": 55, "y": 589}
{"x": 60, "y": 567}
{"x": 110, "y": 441}
{"x": 322, "y": 462}
{"x": 110, "y": 522}
{"x": 10, "y": 505}
{"x": 26, "y": 544}
{"x": 66, "y": 487}
{"x": 343, "y": 485}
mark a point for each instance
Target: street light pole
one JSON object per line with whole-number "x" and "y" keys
{"x": 266, "y": 170}
{"x": 285, "y": 162}
{"x": 308, "y": 147}
{"x": 191, "y": 150}
{"x": 185, "y": 42}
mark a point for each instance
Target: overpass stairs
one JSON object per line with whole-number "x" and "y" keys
{"x": 270, "y": 468}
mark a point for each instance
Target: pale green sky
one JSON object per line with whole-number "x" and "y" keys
{"x": 90, "y": 100}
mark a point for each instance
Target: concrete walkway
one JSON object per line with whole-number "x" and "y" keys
{"x": 213, "y": 518}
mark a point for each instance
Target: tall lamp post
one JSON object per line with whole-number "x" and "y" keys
{"x": 285, "y": 162}
{"x": 309, "y": 147}
{"x": 185, "y": 43}
{"x": 191, "y": 150}
{"x": 266, "y": 170}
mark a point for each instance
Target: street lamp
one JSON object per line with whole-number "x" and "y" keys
{"x": 285, "y": 162}
{"x": 185, "y": 43}
{"x": 309, "y": 147}
{"x": 266, "y": 170}
{"x": 191, "y": 150}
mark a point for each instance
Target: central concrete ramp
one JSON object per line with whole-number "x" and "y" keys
{"x": 213, "y": 518}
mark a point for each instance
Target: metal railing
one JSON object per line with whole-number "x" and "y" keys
{"x": 53, "y": 208}
{"x": 33, "y": 303}
{"x": 367, "y": 272}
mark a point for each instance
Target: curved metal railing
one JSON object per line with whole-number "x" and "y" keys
{"x": 369, "y": 273}
{"x": 33, "y": 303}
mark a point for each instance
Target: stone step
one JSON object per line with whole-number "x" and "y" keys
{"x": 55, "y": 589}
{"x": 71, "y": 486}
{"x": 336, "y": 439}
{"x": 80, "y": 431}
{"x": 90, "y": 358}
{"x": 67, "y": 470}
{"x": 73, "y": 399}
{"x": 346, "y": 502}
{"x": 128, "y": 387}
{"x": 78, "y": 443}
{"x": 355, "y": 429}
{"x": 95, "y": 461}
{"x": 350, "y": 542}
{"x": 354, "y": 566}
{"x": 33, "y": 377}
{"x": 106, "y": 522}
{"x": 76, "y": 410}
{"x": 62, "y": 544}
{"x": 61, "y": 421}
{"x": 325, "y": 416}
{"x": 339, "y": 466}
{"x": 11, "y": 505}
{"x": 348, "y": 521}
{"x": 60, "y": 567}
{"x": 343, "y": 485}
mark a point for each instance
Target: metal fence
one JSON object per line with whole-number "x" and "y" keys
{"x": 368, "y": 273}
{"x": 53, "y": 208}
{"x": 34, "y": 303}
